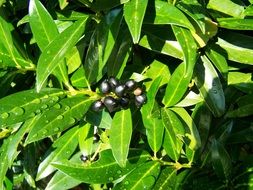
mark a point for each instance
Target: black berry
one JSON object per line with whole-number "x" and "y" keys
{"x": 120, "y": 90}
{"x": 110, "y": 103}
{"x": 105, "y": 87}
{"x": 140, "y": 100}
{"x": 113, "y": 82}
{"x": 124, "y": 101}
{"x": 84, "y": 158}
{"x": 96, "y": 137}
{"x": 97, "y": 105}
{"x": 130, "y": 84}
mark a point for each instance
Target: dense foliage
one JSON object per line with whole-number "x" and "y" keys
{"x": 192, "y": 59}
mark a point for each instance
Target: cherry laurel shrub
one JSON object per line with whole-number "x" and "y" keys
{"x": 126, "y": 94}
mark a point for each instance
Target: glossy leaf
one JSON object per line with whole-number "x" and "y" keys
{"x": 85, "y": 139}
{"x": 177, "y": 86}
{"x": 143, "y": 177}
{"x": 191, "y": 132}
{"x": 101, "y": 5}
{"x": 189, "y": 48}
{"x": 134, "y": 12}
{"x": 166, "y": 13}
{"x": 101, "y": 45}
{"x": 207, "y": 81}
{"x": 166, "y": 179}
{"x": 59, "y": 118}
{"x": 45, "y": 31}
{"x": 241, "y": 81}
{"x": 105, "y": 170}
{"x": 54, "y": 52}
{"x": 25, "y": 104}
{"x": 62, "y": 148}
{"x": 120, "y": 136}
{"x": 174, "y": 132}
{"x": 226, "y": 6}
{"x": 4, "y": 161}
{"x": 236, "y": 24}
{"x": 63, "y": 3}
{"x": 190, "y": 99}
{"x": 8, "y": 52}
{"x": 102, "y": 119}
{"x": 60, "y": 181}
{"x": 238, "y": 47}
{"x": 221, "y": 160}
{"x": 78, "y": 79}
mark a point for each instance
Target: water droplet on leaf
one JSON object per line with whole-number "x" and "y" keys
{"x": 46, "y": 121}
{"x": 119, "y": 172}
{"x": 4, "y": 115}
{"x": 110, "y": 178}
{"x": 18, "y": 111}
{"x": 67, "y": 108}
{"x": 72, "y": 120}
{"x": 60, "y": 117}
{"x": 55, "y": 98}
{"x": 56, "y": 129}
{"x": 57, "y": 106}
{"x": 45, "y": 131}
{"x": 44, "y": 106}
{"x": 36, "y": 101}
{"x": 126, "y": 183}
{"x": 38, "y": 111}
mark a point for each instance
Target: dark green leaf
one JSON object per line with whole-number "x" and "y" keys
{"x": 166, "y": 179}
{"x": 100, "y": 5}
{"x": 101, "y": 45}
{"x": 120, "y": 136}
{"x": 105, "y": 170}
{"x": 143, "y": 177}
{"x": 134, "y": 12}
{"x": 85, "y": 138}
{"x": 207, "y": 81}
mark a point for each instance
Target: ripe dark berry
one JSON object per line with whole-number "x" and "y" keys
{"x": 138, "y": 91}
{"x": 140, "y": 100}
{"x": 130, "y": 84}
{"x": 105, "y": 87}
{"x": 113, "y": 82}
{"x": 110, "y": 103}
{"x": 124, "y": 101}
{"x": 97, "y": 105}
{"x": 120, "y": 90}
{"x": 84, "y": 158}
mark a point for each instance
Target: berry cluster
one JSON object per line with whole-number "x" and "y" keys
{"x": 119, "y": 95}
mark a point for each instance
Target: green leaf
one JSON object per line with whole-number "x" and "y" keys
{"x": 8, "y": 52}
{"x": 102, "y": 119}
{"x": 63, "y": 3}
{"x": 22, "y": 105}
{"x": 209, "y": 85}
{"x": 177, "y": 86}
{"x": 166, "y": 13}
{"x": 62, "y": 148}
{"x": 189, "y": 48}
{"x": 143, "y": 177}
{"x": 226, "y": 6}
{"x": 4, "y": 161}
{"x": 161, "y": 41}
{"x": 45, "y": 31}
{"x": 241, "y": 111}
{"x": 120, "y": 136}
{"x": 101, "y": 45}
{"x": 120, "y": 53}
{"x": 236, "y": 24}
{"x": 236, "y": 137}
{"x": 190, "y": 99}
{"x": 78, "y": 79}
{"x": 221, "y": 160}
{"x": 238, "y": 47}
{"x": 100, "y": 5}
{"x": 174, "y": 132}
{"x": 214, "y": 53}
{"x": 85, "y": 138}
{"x": 241, "y": 81}
{"x": 60, "y": 181}
{"x": 191, "y": 132}
{"x": 166, "y": 179}
{"x": 55, "y": 51}
{"x": 105, "y": 170}
{"x": 59, "y": 118}
{"x": 134, "y": 12}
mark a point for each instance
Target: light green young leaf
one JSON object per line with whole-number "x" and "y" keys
{"x": 4, "y": 161}
{"x": 22, "y": 105}
{"x": 210, "y": 87}
{"x": 78, "y": 79}
{"x": 60, "y": 117}
{"x": 120, "y": 136}
{"x": 134, "y": 12}
{"x": 241, "y": 81}
{"x": 55, "y": 51}
{"x": 62, "y": 148}
{"x": 105, "y": 170}
{"x": 85, "y": 139}
{"x": 101, "y": 45}
{"x": 63, "y": 3}
{"x": 143, "y": 177}
{"x": 236, "y": 24}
